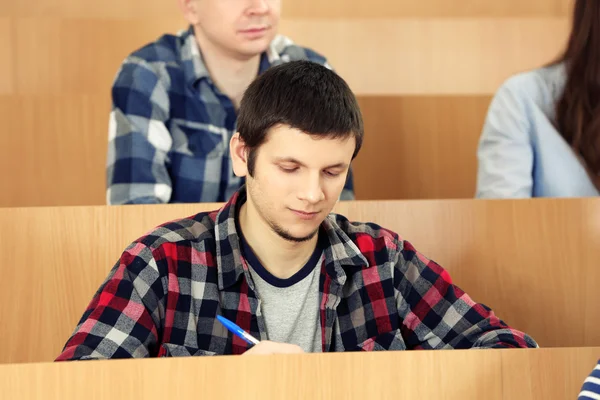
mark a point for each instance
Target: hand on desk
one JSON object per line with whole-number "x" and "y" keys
{"x": 267, "y": 347}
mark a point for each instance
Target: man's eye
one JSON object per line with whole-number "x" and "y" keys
{"x": 289, "y": 170}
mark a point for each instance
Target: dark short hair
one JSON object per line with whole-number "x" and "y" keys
{"x": 303, "y": 95}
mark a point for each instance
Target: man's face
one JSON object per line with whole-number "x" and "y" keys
{"x": 242, "y": 28}
{"x": 298, "y": 179}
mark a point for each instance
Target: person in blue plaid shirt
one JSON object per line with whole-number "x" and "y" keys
{"x": 276, "y": 261}
{"x": 175, "y": 103}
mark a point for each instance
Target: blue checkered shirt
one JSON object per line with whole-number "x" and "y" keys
{"x": 170, "y": 126}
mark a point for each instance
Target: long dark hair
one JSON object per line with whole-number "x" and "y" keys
{"x": 578, "y": 110}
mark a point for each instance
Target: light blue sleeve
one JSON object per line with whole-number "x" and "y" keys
{"x": 505, "y": 154}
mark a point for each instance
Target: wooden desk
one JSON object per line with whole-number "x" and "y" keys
{"x": 535, "y": 262}
{"x": 472, "y": 374}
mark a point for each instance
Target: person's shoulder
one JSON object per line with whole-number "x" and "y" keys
{"x": 152, "y": 62}
{"x": 541, "y": 85}
{"x": 196, "y": 230}
{"x": 156, "y": 62}
{"x": 368, "y": 236}
{"x": 287, "y": 50}
{"x": 166, "y": 49}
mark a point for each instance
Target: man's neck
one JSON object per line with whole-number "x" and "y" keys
{"x": 282, "y": 258}
{"x": 232, "y": 74}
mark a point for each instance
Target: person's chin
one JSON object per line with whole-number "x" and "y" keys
{"x": 257, "y": 46}
{"x": 302, "y": 236}
{"x": 304, "y": 229}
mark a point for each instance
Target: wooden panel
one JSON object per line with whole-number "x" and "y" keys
{"x": 549, "y": 374}
{"x": 38, "y": 56}
{"x": 533, "y": 261}
{"x": 53, "y": 150}
{"x": 333, "y": 9}
{"x": 431, "y": 56}
{"x": 8, "y": 8}
{"x": 78, "y": 56}
{"x": 377, "y": 57}
{"x": 419, "y": 147}
{"x": 6, "y": 56}
{"x": 532, "y": 377}
{"x": 299, "y": 9}
{"x": 49, "y": 286}
{"x": 109, "y": 9}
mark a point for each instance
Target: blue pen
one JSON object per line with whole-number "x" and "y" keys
{"x": 237, "y": 330}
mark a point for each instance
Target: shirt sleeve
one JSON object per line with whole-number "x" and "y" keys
{"x": 436, "y": 314}
{"x": 591, "y": 385}
{"x": 123, "y": 318}
{"x": 139, "y": 140}
{"x": 505, "y": 154}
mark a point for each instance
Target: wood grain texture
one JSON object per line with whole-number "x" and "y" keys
{"x": 331, "y": 9}
{"x": 431, "y": 56}
{"x": 533, "y": 261}
{"x": 337, "y": 9}
{"x": 107, "y": 9}
{"x": 53, "y": 149}
{"x": 415, "y": 147}
{"x": 419, "y": 147}
{"x": 376, "y": 57}
{"x": 78, "y": 56}
{"x": 549, "y": 374}
{"x": 6, "y": 56}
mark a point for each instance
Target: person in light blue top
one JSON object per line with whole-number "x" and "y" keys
{"x": 542, "y": 133}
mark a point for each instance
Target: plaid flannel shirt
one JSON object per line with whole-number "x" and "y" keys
{"x": 170, "y": 126}
{"x": 376, "y": 293}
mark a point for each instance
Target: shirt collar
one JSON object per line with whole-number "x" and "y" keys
{"x": 194, "y": 68}
{"x": 340, "y": 251}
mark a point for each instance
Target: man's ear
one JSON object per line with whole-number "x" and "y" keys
{"x": 239, "y": 155}
{"x": 189, "y": 8}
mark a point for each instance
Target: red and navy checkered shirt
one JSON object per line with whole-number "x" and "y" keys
{"x": 376, "y": 293}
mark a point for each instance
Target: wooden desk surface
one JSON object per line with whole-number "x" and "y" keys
{"x": 472, "y": 374}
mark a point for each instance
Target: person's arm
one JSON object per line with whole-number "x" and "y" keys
{"x": 122, "y": 320}
{"x": 591, "y": 385}
{"x": 436, "y": 314}
{"x": 139, "y": 141}
{"x": 505, "y": 154}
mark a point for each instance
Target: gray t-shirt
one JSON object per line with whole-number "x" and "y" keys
{"x": 290, "y": 306}
{"x": 291, "y": 312}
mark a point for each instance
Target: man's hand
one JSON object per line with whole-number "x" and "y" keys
{"x": 267, "y": 347}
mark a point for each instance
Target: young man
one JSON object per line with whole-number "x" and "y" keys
{"x": 275, "y": 261}
{"x": 175, "y": 103}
